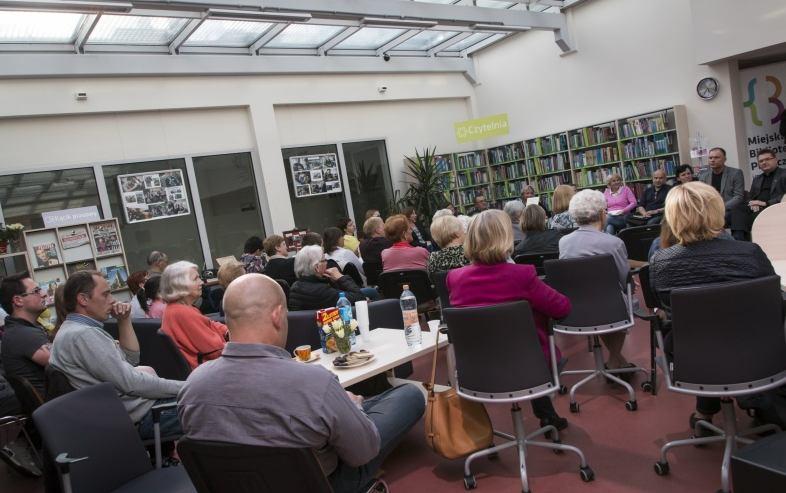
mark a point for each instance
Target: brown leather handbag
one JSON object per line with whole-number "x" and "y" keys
{"x": 455, "y": 427}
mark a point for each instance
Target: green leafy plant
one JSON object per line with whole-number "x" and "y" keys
{"x": 426, "y": 191}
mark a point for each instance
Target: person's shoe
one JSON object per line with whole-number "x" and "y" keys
{"x": 556, "y": 421}
{"x": 170, "y": 462}
{"x": 378, "y": 486}
{"x": 18, "y": 456}
{"x": 701, "y": 432}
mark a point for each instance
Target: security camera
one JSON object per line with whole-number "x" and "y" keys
{"x": 386, "y": 57}
{"x": 382, "y": 89}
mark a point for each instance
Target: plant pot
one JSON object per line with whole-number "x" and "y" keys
{"x": 344, "y": 344}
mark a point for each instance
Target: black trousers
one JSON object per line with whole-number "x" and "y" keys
{"x": 543, "y": 408}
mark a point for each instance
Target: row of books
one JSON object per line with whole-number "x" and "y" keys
{"x": 547, "y": 145}
{"x": 508, "y": 172}
{"x": 549, "y": 183}
{"x": 443, "y": 164}
{"x": 512, "y": 152}
{"x": 548, "y": 164}
{"x": 509, "y": 190}
{"x": 470, "y": 160}
{"x": 644, "y": 125}
{"x": 596, "y": 176}
{"x": 467, "y": 197}
{"x": 647, "y": 146}
{"x": 447, "y": 181}
{"x": 593, "y": 135}
{"x": 476, "y": 177}
{"x": 597, "y": 156}
{"x": 644, "y": 169}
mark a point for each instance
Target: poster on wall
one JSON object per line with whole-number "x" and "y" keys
{"x": 315, "y": 174}
{"x": 763, "y": 101}
{"x": 154, "y": 195}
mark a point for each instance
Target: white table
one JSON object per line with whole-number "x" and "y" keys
{"x": 390, "y": 350}
{"x": 780, "y": 269}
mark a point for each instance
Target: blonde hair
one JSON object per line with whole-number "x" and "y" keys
{"x": 371, "y": 225}
{"x": 489, "y": 238}
{"x": 695, "y": 212}
{"x": 613, "y": 176}
{"x": 175, "y": 281}
{"x": 446, "y": 229}
{"x": 232, "y": 270}
{"x": 561, "y": 199}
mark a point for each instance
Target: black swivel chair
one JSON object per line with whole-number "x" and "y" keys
{"x": 27, "y": 395}
{"x": 598, "y": 307}
{"x": 536, "y": 259}
{"x": 391, "y": 283}
{"x": 387, "y": 314}
{"x": 638, "y": 240}
{"x": 57, "y": 383}
{"x": 519, "y": 373}
{"x": 652, "y": 303}
{"x": 728, "y": 341}
{"x": 439, "y": 279}
{"x": 302, "y": 330}
{"x": 96, "y": 447}
{"x": 216, "y": 467}
{"x": 169, "y": 361}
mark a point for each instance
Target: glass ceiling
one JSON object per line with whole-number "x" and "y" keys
{"x": 183, "y": 32}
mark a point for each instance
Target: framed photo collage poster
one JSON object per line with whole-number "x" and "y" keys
{"x": 315, "y": 174}
{"x": 153, "y": 195}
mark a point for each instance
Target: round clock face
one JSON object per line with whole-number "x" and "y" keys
{"x": 707, "y": 88}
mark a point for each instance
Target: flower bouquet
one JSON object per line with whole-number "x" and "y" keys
{"x": 339, "y": 333}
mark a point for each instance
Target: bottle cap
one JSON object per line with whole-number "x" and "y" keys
{"x": 406, "y": 286}
{"x": 341, "y": 294}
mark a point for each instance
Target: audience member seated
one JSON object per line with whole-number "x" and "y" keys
{"x": 728, "y": 181}
{"x": 402, "y": 255}
{"x": 88, "y": 355}
{"x": 348, "y": 227}
{"x": 371, "y": 247}
{"x": 311, "y": 238}
{"x": 449, "y": 234}
{"x": 256, "y": 395}
{"x": 491, "y": 279}
{"x": 150, "y": 299}
{"x": 537, "y": 239}
{"x": 136, "y": 282}
{"x": 479, "y": 205}
{"x": 528, "y": 192}
{"x": 440, "y": 213}
{"x": 227, "y": 273}
{"x": 318, "y": 286}
{"x": 665, "y": 240}
{"x": 588, "y": 207}
{"x": 156, "y": 263}
{"x": 650, "y": 207}
{"x": 253, "y": 260}
{"x": 194, "y": 334}
{"x": 25, "y": 348}
{"x": 702, "y": 256}
{"x": 465, "y": 221}
{"x": 561, "y": 218}
{"x": 767, "y": 189}
{"x": 684, "y": 174}
{"x": 333, "y": 245}
{"x": 279, "y": 264}
{"x": 372, "y": 213}
{"x": 620, "y": 202}
{"x": 419, "y": 235}
{"x": 514, "y": 209}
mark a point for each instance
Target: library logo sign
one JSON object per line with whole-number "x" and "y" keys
{"x": 481, "y": 128}
{"x": 763, "y": 103}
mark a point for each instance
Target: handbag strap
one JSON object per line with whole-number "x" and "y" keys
{"x": 430, "y": 386}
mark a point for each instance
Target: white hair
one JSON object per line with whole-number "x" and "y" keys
{"x": 176, "y": 281}
{"x": 306, "y": 259}
{"x": 465, "y": 221}
{"x": 587, "y": 206}
{"x": 440, "y": 213}
{"x": 514, "y": 209}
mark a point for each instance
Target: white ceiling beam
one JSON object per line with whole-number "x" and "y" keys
{"x": 84, "y": 32}
{"x": 271, "y": 33}
{"x": 450, "y": 42}
{"x": 184, "y": 34}
{"x": 397, "y": 41}
{"x": 341, "y": 36}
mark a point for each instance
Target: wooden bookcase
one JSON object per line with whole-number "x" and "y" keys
{"x": 56, "y": 253}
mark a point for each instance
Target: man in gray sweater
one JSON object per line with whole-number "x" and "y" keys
{"x": 88, "y": 355}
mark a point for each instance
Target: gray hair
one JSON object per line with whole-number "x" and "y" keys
{"x": 440, "y": 213}
{"x": 465, "y": 221}
{"x": 587, "y": 206}
{"x": 155, "y": 257}
{"x": 514, "y": 209}
{"x": 175, "y": 281}
{"x": 306, "y": 259}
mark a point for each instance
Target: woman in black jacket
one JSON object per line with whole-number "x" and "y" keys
{"x": 537, "y": 239}
{"x": 318, "y": 286}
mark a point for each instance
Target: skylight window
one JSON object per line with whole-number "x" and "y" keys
{"x": 136, "y": 30}
{"x": 369, "y": 38}
{"x": 304, "y": 36}
{"x": 425, "y": 40}
{"x": 468, "y": 41}
{"x": 227, "y": 33}
{"x": 39, "y": 27}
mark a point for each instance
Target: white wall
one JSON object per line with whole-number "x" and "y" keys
{"x": 633, "y": 57}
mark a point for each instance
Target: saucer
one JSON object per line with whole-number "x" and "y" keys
{"x": 314, "y": 357}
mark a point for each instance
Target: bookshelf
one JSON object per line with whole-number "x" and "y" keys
{"x": 632, "y": 147}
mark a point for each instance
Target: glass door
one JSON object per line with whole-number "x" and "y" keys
{"x": 368, "y": 174}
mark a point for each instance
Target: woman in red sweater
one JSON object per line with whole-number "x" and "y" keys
{"x": 402, "y": 255}
{"x": 194, "y": 334}
{"x": 491, "y": 280}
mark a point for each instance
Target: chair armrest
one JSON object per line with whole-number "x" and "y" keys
{"x": 63, "y": 463}
{"x": 644, "y": 315}
{"x": 159, "y": 408}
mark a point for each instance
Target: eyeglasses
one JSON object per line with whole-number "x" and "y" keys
{"x": 34, "y": 291}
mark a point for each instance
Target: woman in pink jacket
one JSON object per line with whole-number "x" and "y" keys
{"x": 491, "y": 279}
{"x": 619, "y": 201}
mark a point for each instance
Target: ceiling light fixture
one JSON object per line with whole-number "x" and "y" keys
{"x": 65, "y": 6}
{"x": 384, "y": 21}
{"x": 499, "y": 28}
{"x": 257, "y": 15}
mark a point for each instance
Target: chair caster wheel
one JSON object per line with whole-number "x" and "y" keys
{"x": 563, "y": 390}
{"x": 574, "y": 407}
{"x": 631, "y": 405}
{"x": 469, "y": 482}
{"x": 494, "y": 456}
{"x": 661, "y": 468}
{"x": 587, "y": 474}
{"x": 647, "y": 386}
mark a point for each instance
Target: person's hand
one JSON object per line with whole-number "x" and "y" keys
{"x": 146, "y": 369}
{"x": 120, "y": 311}
{"x": 333, "y": 273}
{"x": 356, "y": 399}
{"x": 757, "y": 203}
{"x": 641, "y": 212}
{"x": 755, "y": 208}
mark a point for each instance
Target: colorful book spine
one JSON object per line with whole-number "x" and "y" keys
{"x": 645, "y": 125}
{"x": 594, "y": 157}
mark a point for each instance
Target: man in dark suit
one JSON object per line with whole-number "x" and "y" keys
{"x": 726, "y": 180}
{"x": 767, "y": 189}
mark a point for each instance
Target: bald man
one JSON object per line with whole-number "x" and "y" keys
{"x": 255, "y": 394}
{"x": 653, "y": 200}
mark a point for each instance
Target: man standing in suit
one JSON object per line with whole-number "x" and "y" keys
{"x": 726, "y": 180}
{"x": 767, "y": 189}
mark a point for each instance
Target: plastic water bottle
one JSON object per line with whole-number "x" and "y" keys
{"x": 409, "y": 310}
{"x": 345, "y": 312}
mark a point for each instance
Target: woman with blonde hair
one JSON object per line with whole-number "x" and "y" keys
{"x": 449, "y": 234}
{"x": 619, "y": 202}
{"x": 491, "y": 279}
{"x": 197, "y": 337}
{"x": 560, "y": 201}
{"x": 704, "y": 254}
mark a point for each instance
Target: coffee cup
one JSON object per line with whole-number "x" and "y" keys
{"x": 303, "y": 353}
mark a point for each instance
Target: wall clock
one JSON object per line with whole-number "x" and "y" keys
{"x": 707, "y": 88}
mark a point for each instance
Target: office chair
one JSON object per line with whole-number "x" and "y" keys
{"x": 638, "y": 240}
{"x": 536, "y": 259}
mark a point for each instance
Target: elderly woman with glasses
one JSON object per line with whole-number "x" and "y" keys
{"x": 197, "y": 336}
{"x": 318, "y": 286}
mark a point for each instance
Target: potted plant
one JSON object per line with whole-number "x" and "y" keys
{"x": 9, "y": 237}
{"x": 426, "y": 191}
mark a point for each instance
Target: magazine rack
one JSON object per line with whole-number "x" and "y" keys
{"x": 57, "y": 253}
